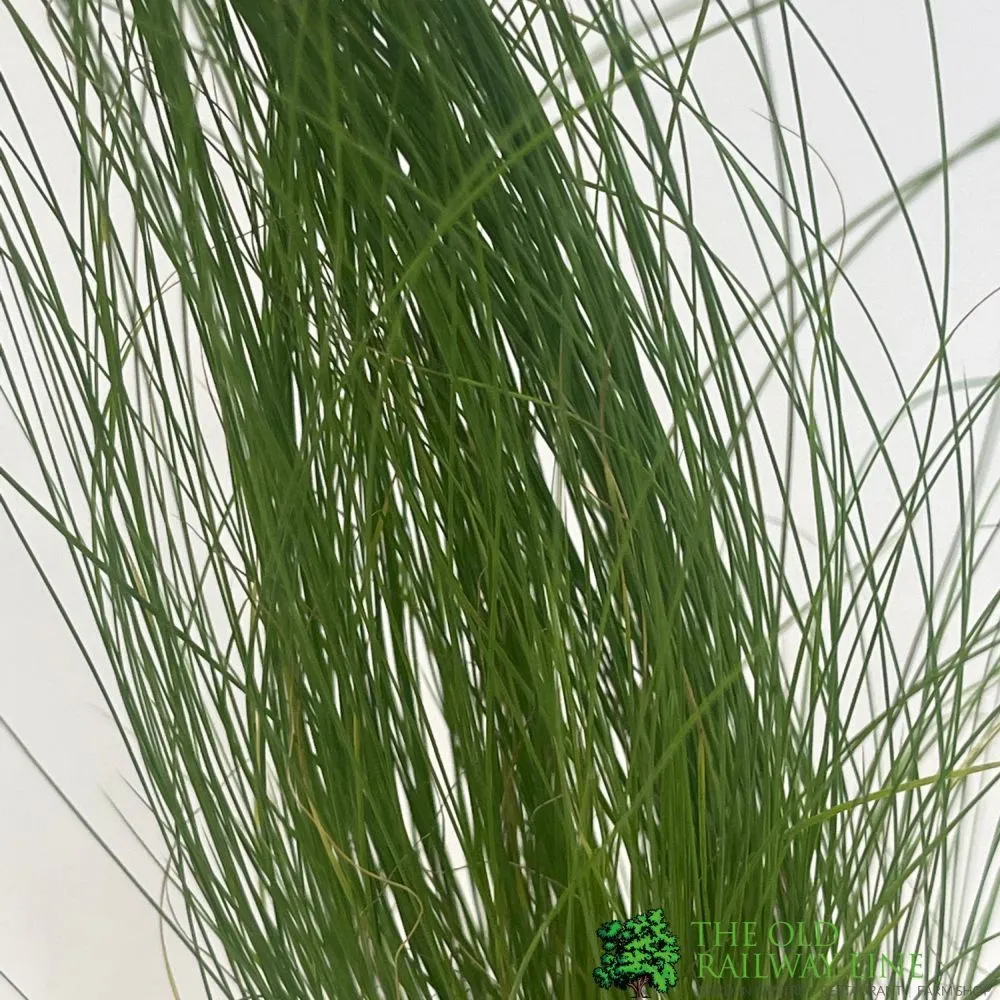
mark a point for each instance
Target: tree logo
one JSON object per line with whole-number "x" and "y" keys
{"x": 638, "y": 953}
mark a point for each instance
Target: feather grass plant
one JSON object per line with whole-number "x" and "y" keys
{"x": 409, "y": 442}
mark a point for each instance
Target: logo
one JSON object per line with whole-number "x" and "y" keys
{"x": 642, "y": 953}
{"x": 639, "y": 953}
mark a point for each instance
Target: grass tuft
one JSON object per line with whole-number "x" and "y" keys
{"x": 417, "y": 452}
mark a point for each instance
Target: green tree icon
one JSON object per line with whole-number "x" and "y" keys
{"x": 638, "y": 953}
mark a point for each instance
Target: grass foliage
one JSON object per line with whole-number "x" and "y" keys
{"x": 408, "y": 436}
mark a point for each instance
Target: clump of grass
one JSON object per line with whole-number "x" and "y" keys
{"x": 415, "y": 467}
